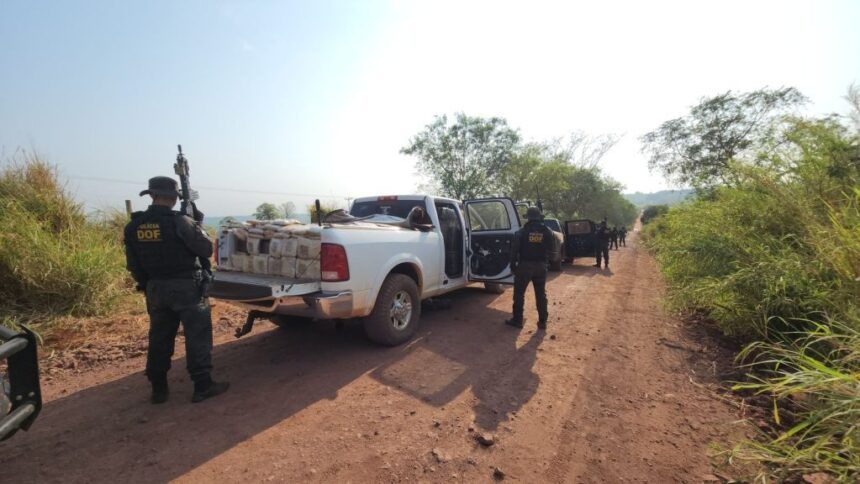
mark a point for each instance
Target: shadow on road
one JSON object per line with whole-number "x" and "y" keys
{"x": 111, "y": 433}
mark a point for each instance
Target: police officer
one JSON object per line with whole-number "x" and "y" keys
{"x": 622, "y": 235}
{"x": 163, "y": 250}
{"x": 601, "y": 238}
{"x": 530, "y": 252}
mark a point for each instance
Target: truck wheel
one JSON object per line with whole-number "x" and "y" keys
{"x": 397, "y": 312}
{"x": 494, "y": 288}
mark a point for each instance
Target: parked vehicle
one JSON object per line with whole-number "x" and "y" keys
{"x": 558, "y": 255}
{"x": 580, "y": 239}
{"x": 20, "y": 396}
{"x": 398, "y": 251}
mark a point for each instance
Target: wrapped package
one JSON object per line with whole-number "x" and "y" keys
{"x": 238, "y": 261}
{"x": 290, "y": 247}
{"x": 261, "y": 264}
{"x": 308, "y": 249}
{"x": 307, "y": 269}
{"x": 288, "y": 267}
{"x": 253, "y": 244}
{"x": 274, "y": 265}
{"x": 276, "y": 246}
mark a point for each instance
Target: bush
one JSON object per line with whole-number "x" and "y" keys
{"x": 53, "y": 261}
{"x": 775, "y": 260}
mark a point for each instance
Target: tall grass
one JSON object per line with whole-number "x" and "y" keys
{"x": 775, "y": 260}
{"x": 53, "y": 260}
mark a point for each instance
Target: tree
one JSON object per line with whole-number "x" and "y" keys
{"x": 466, "y": 158}
{"x": 266, "y": 211}
{"x": 288, "y": 209}
{"x": 698, "y": 149}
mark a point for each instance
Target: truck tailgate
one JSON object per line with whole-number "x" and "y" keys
{"x": 241, "y": 286}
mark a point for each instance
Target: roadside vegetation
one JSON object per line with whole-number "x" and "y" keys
{"x": 54, "y": 260}
{"x": 473, "y": 157}
{"x": 770, "y": 251}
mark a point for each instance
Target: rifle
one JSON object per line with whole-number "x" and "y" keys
{"x": 539, "y": 201}
{"x": 187, "y": 208}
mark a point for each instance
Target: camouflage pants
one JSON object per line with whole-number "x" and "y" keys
{"x": 170, "y": 302}
{"x": 534, "y": 272}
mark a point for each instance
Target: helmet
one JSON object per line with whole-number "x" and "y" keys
{"x": 533, "y": 213}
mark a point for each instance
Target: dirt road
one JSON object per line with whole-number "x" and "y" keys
{"x": 615, "y": 391}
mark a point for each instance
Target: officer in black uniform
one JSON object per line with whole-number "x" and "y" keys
{"x": 601, "y": 246}
{"x": 530, "y": 251}
{"x": 163, "y": 249}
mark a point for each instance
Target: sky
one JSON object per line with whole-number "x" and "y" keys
{"x": 289, "y": 101}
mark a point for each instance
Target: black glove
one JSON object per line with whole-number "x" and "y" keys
{"x": 198, "y": 215}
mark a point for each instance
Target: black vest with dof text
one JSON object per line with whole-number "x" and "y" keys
{"x": 160, "y": 251}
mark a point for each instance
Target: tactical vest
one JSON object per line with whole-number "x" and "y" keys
{"x": 161, "y": 253}
{"x": 533, "y": 242}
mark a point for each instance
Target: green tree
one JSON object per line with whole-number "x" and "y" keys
{"x": 467, "y": 158}
{"x": 697, "y": 149}
{"x": 651, "y": 212}
{"x": 266, "y": 211}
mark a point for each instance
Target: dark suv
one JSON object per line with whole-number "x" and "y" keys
{"x": 580, "y": 238}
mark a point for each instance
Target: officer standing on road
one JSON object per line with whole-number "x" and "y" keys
{"x": 163, "y": 250}
{"x": 530, "y": 251}
{"x": 622, "y": 235}
{"x": 601, "y": 238}
{"x": 613, "y": 238}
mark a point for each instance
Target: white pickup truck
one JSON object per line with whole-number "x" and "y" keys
{"x": 380, "y": 266}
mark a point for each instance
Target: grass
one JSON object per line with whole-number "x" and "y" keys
{"x": 54, "y": 260}
{"x": 775, "y": 260}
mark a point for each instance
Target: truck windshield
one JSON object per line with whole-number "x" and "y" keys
{"x": 396, "y": 208}
{"x": 552, "y": 224}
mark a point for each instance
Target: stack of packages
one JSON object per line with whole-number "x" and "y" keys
{"x": 278, "y": 248}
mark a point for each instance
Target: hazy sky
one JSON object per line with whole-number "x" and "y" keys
{"x": 317, "y": 98}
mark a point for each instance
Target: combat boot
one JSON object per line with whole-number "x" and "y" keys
{"x": 541, "y": 324}
{"x": 516, "y": 323}
{"x": 208, "y": 388}
{"x": 160, "y": 390}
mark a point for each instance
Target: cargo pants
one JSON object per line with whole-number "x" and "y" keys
{"x": 534, "y": 272}
{"x": 602, "y": 250}
{"x": 169, "y": 302}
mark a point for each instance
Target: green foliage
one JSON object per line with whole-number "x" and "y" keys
{"x": 467, "y": 157}
{"x": 53, "y": 261}
{"x": 267, "y": 211}
{"x": 698, "y": 149}
{"x": 651, "y": 212}
{"x": 568, "y": 191}
{"x": 774, "y": 259}
{"x": 325, "y": 207}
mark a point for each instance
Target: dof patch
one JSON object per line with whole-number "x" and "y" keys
{"x": 536, "y": 238}
{"x": 149, "y": 233}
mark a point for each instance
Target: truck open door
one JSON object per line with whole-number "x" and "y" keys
{"x": 491, "y": 223}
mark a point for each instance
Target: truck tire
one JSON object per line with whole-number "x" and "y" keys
{"x": 397, "y": 312}
{"x": 494, "y": 288}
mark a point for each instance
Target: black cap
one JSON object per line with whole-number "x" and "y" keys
{"x": 162, "y": 186}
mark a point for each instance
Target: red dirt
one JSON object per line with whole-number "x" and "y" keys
{"x": 615, "y": 391}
